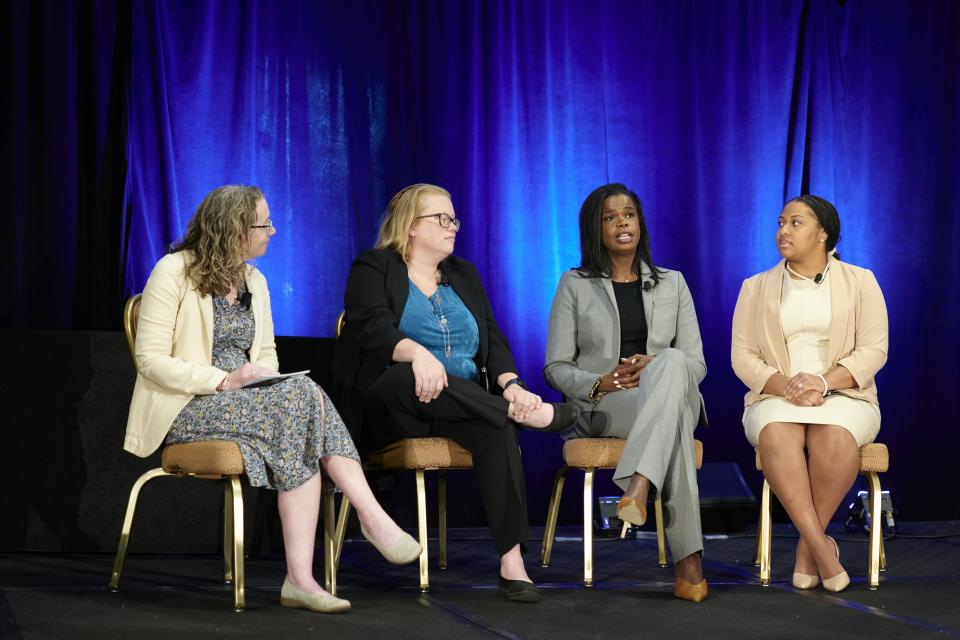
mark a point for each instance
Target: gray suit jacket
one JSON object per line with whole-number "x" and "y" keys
{"x": 583, "y": 338}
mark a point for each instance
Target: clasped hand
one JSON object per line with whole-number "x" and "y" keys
{"x": 522, "y": 402}
{"x": 625, "y": 375}
{"x": 804, "y": 390}
{"x": 246, "y": 373}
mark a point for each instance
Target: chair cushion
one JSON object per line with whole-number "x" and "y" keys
{"x": 874, "y": 457}
{"x": 211, "y": 459}
{"x": 421, "y": 453}
{"x": 604, "y": 453}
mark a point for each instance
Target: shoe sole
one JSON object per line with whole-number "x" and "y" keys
{"x": 630, "y": 513}
{"x": 526, "y": 596}
{"x": 296, "y": 604}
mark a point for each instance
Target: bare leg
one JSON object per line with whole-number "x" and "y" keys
{"x": 833, "y": 461}
{"x": 348, "y": 475}
{"x": 638, "y": 489}
{"x": 511, "y": 565}
{"x": 689, "y": 568}
{"x": 299, "y": 511}
{"x": 785, "y": 467}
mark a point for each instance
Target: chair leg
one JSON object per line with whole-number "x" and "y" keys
{"x": 876, "y": 531}
{"x": 757, "y": 544}
{"x": 551, "y": 527}
{"x": 883, "y": 556}
{"x": 765, "y": 535}
{"x": 341, "y": 530}
{"x": 227, "y": 532}
{"x": 329, "y": 542}
{"x": 661, "y": 538}
{"x": 114, "y": 583}
{"x": 422, "y": 530}
{"x": 239, "y": 596}
{"x": 588, "y": 527}
{"x": 442, "y": 516}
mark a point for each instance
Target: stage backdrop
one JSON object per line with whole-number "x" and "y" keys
{"x": 714, "y": 112}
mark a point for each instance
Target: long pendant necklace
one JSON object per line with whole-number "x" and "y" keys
{"x": 442, "y": 320}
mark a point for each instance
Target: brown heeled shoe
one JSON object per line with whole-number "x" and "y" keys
{"x": 632, "y": 511}
{"x": 692, "y": 592}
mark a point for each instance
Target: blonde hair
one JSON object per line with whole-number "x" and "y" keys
{"x": 216, "y": 237}
{"x": 400, "y": 215}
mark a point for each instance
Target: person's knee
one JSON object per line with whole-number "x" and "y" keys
{"x": 831, "y": 440}
{"x": 777, "y": 435}
{"x": 670, "y": 362}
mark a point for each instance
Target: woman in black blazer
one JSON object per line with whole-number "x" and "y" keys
{"x": 421, "y": 355}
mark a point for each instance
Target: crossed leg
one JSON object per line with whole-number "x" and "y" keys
{"x": 786, "y": 469}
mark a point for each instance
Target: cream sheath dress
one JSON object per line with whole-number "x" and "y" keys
{"x": 805, "y": 321}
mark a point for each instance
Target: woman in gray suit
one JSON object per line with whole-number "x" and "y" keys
{"x": 624, "y": 344}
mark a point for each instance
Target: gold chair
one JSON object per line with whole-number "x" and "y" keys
{"x": 419, "y": 455}
{"x": 209, "y": 460}
{"x": 589, "y": 455}
{"x": 874, "y": 459}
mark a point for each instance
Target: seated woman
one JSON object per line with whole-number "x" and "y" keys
{"x": 809, "y": 335}
{"x": 624, "y": 344}
{"x": 206, "y": 329}
{"x": 421, "y": 355}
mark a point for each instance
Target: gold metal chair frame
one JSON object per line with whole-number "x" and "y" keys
{"x": 421, "y": 508}
{"x": 554, "y": 509}
{"x": 233, "y": 539}
{"x": 877, "y": 558}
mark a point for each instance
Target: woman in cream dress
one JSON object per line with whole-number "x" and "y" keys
{"x": 809, "y": 336}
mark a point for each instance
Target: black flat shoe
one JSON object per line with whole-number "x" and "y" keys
{"x": 565, "y": 415}
{"x": 517, "y": 590}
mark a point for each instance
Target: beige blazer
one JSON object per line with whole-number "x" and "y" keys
{"x": 174, "y": 349}
{"x": 858, "y": 329}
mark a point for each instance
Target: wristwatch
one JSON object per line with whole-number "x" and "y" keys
{"x": 514, "y": 381}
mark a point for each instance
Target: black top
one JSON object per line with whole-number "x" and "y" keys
{"x": 376, "y": 294}
{"x": 633, "y": 324}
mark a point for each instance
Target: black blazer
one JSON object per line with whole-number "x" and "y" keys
{"x": 374, "y": 300}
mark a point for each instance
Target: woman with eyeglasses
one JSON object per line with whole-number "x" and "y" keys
{"x": 205, "y": 331}
{"x": 421, "y": 355}
{"x": 623, "y": 342}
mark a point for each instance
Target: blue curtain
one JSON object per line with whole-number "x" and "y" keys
{"x": 714, "y": 112}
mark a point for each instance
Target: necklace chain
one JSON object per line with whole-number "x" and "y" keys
{"x": 822, "y": 274}
{"x": 437, "y": 309}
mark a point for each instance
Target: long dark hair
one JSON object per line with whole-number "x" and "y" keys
{"x": 827, "y": 216}
{"x": 594, "y": 259}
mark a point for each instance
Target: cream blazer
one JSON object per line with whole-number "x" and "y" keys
{"x": 858, "y": 330}
{"x": 174, "y": 349}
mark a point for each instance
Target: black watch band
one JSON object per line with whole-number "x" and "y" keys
{"x": 514, "y": 381}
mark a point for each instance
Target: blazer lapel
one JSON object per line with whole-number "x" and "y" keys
{"x": 770, "y": 320}
{"x": 206, "y": 314}
{"x": 839, "y": 309}
{"x": 649, "y": 299}
{"x": 398, "y": 286}
{"x": 607, "y": 285}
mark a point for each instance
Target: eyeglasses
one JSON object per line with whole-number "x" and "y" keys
{"x": 444, "y": 220}
{"x": 267, "y": 225}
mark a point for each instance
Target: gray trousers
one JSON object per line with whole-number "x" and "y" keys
{"x": 657, "y": 419}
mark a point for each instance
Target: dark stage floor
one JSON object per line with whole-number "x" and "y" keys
{"x": 163, "y": 596}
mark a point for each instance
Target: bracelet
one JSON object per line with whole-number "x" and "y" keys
{"x": 514, "y": 381}
{"x": 595, "y": 394}
{"x": 826, "y": 387}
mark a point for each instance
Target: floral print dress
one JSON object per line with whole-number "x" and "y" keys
{"x": 283, "y": 429}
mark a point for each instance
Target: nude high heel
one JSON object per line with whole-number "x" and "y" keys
{"x": 632, "y": 511}
{"x": 804, "y": 581}
{"x": 839, "y": 582}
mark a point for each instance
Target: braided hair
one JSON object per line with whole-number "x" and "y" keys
{"x": 827, "y": 216}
